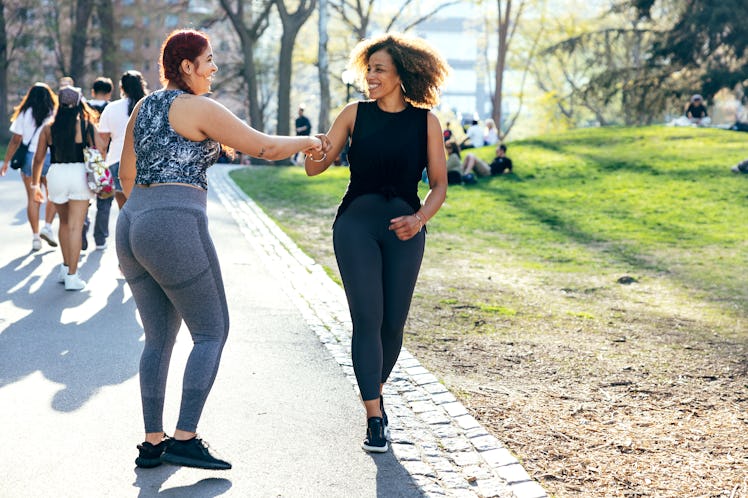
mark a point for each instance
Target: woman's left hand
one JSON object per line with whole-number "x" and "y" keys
{"x": 406, "y": 227}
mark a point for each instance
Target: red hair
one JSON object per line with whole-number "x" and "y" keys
{"x": 181, "y": 44}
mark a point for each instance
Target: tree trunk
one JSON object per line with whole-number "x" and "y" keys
{"x": 503, "y": 36}
{"x": 105, "y": 12}
{"x": 83, "y": 9}
{"x": 323, "y": 63}
{"x": 4, "y": 132}
{"x": 292, "y": 23}
{"x": 248, "y": 34}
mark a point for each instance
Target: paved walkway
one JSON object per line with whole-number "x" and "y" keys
{"x": 284, "y": 408}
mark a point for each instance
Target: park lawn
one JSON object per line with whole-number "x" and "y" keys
{"x": 633, "y": 200}
{"x": 524, "y": 311}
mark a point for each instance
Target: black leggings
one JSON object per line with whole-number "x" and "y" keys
{"x": 168, "y": 259}
{"x": 379, "y": 273}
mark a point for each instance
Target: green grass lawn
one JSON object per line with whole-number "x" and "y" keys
{"x": 636, "y": 200}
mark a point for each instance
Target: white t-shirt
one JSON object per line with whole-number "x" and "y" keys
{"x": 25, "y": 126}
{"x": 113, "y": 120}
{"x": 475, "y": 133}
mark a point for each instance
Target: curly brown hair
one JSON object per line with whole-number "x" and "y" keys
{"x": 420, "y": 67}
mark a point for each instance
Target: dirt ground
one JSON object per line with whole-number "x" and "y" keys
{"x": 601, "y": 388}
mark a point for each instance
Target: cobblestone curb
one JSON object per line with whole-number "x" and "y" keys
{"x": 446, "y": 451}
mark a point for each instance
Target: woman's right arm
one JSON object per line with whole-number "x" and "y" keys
{"x": 127, "y": 171}
{"x": 38, "y": 163}
{"x": 339, "y": 132}
{"x": 197, "y": 118}
{"x": 15, "y": 141}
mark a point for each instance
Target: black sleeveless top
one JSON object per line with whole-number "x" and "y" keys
{"x": 387, "y": 154}
{"x": 76, "y": 155}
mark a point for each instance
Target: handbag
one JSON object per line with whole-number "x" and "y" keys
{"x": 99, "y": 178}
{"x": 18, "y": 160}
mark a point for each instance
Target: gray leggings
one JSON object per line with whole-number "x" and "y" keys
{"x": 167, "y": 256}
{"x": 379, "y": 273}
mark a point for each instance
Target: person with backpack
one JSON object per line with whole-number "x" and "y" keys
{"x": 35, "y": 110}
{"x": 72, "y": 130}
{"x": 101, "y": 93}
{"x": 112, "y": 125}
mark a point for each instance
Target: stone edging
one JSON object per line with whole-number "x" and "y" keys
{"x": 446, "y": 451}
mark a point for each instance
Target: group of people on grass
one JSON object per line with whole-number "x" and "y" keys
{"x": 465, "y": 170}
{"x": 162, "y": 146}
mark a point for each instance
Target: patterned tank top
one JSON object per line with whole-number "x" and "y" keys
{"x": 165, "y": 156}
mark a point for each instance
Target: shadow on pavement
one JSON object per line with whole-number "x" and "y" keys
{"x": 393, "y": 480}
{"x": 84, "y": 354}
{"x": 150, "y": 482}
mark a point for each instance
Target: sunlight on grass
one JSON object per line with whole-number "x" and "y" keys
{"x": 654, "y": 199}
{"x": 498, "y": 310}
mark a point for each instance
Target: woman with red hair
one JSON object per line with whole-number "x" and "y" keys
{"x": 163, "y": 244}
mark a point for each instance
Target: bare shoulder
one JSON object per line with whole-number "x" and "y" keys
{"x": 432, "y": 122}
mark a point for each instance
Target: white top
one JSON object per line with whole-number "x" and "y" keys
{"x": 491, "y": 136}
{"x": 25, "y": 126}
{"x": 475, "y": 134}
{"x": 113, "y": 120}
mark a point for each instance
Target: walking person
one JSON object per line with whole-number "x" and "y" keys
{"x": 72, "y": 130}
{"x": 112, "y": 124}
{"x": 35, "y": 110}
{"x": 101, "y": 94}
{"x": 163, "y": 244}
{"x": 379, "y": 231}
{"x": 303, "y": 128}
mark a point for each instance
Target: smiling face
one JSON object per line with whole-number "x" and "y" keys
{"x": 199, "y": 75}
{"x": 381, "y": 76}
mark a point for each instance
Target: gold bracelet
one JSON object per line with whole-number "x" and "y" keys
{"x": 324, "y": 156}
{"x": 420, "y": 220}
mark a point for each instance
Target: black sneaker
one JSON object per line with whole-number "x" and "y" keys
{"x": 150, "y": 454}
{"x": 375, "y": 441}
{"x": 384, "y": 418}
{"x": 193, "y": 453}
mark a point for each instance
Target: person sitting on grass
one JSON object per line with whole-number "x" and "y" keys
{"x": 696, "y": 111}
{"x": 501, "y": 164}
{"x": 461, "y": 170}
{"x": 741, "y": 167}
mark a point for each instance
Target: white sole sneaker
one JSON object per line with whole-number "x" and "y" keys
{"x": 375, "y": 449}
{"x": 49, "y": 236}
{"x": 36, "y": 244}
{"x": 74, "y": 283}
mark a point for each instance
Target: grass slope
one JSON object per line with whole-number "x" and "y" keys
{"x": 631, "y": 199}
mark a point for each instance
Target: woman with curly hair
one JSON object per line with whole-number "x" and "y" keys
{"x": 72, "y": 130}
{"x": 379, "y": 231}
{"x": 35, "y": 110}
{"x": 163, "y": 244}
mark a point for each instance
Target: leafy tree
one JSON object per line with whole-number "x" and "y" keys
{"x": 250, "y": 23}
{"x": 708, "y": 37}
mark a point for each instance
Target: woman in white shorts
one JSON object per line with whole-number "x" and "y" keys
{"x": 72, "y": 129}
{"x": 35, "y": 110}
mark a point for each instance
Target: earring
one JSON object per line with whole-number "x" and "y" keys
{"x": 403, "y": 87}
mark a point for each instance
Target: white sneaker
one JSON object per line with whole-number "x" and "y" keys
{"x": 36, "y": 243}
{"x": 73, "y": 282}
{"x": 47, "y": 234}
{"x": 61, "y": 273}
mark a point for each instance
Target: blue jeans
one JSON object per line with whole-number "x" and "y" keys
{"x": 26, "y": 169}
{"x": 103, "y": 208}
